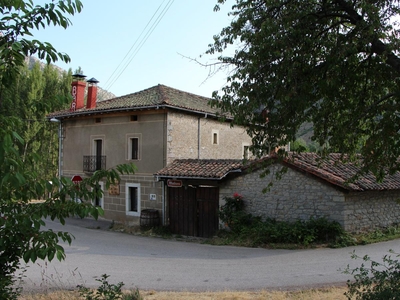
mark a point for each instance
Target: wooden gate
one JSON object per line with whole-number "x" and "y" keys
{"x": 193, "y": 211}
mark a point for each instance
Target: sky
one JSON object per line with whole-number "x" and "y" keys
{"x": 131, "y": 45}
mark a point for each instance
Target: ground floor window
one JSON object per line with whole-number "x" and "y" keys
{"x": 133, "y": 199}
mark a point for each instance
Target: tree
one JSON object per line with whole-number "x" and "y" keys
{"x": 22, "y": 235}
{"x": 18, "y": 20}
{"x": 36, "y": 91}
{"x": 299, "y": 145}
{"x": 331, "y": 62}
{"x": 374, "y": 279}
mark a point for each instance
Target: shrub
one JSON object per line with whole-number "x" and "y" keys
{"x": 232, "y": 213}
{"x": 378, "y": 281}
{"x": 108, "y": 291}
{"x": 254, "y": 231}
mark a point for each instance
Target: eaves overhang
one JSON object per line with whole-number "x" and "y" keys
{"x": 183, "y": 177}
{"x": 68, "y": 115}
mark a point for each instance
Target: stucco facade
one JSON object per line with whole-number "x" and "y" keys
{"x": 149, "y": 132}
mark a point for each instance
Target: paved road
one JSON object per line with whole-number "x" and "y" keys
{"x": 158, "y": 264}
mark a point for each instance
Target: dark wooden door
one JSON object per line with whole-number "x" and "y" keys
{"x": 207, "y": 211}
{"x": 193, "y": 211}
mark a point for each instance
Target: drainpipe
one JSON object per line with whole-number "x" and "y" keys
{"x": 199, "y": 136}
{"x": 163, "y": 203}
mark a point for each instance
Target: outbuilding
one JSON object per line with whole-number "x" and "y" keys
{"x": 310, "y": 187}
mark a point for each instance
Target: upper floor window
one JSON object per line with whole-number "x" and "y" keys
{"x": 215, "y": 137}
{"x": 246, "y": 151}
{"x": 134, "y": 118}
{"x": 97, "y": 120}
{"x": 134, "y": 146}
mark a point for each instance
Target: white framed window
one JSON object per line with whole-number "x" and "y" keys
{"x": 134, "y": 146}
{"x": 215, "y": 137}
{"x": 132, "y": 199}
{"x": 99, "y": 201}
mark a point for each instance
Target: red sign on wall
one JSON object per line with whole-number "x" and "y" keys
{"x": 174, "y": 183}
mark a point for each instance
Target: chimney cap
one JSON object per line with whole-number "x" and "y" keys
{"x": 78, "y": 76}
{"x": 92, "y": 80}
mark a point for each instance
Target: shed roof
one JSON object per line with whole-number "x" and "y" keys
{"x": 159, "y": 96}
{"x": 333, "y": 170}
{"x": 330, "y": 169}
{"x": 212, "y": 169}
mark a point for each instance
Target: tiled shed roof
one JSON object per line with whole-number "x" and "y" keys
{"x": 329, "y": 169}
{"x": 155, "y": 97}
{"x": 215, "y": 169}
{"x": 339, "y": 173}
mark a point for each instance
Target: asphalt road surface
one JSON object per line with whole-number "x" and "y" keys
{"x": 168, "y": 265}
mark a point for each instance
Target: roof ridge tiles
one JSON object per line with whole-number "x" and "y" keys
{"x": 154, "y": 96}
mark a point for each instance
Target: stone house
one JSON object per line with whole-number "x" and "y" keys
{"x": 150, "y": 128}
{"x": 310, "y": 188}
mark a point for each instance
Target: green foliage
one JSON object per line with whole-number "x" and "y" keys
{"x": 29, "y": 95}
{"x": 21, "y": 222}
{"x": 379, "y": 235}
{"x": 232, "y": 213}
{"x": 245, "y": 227}
{"x": 332, "y": 63}
{"x": 305, "y": 233}
{"x": 18, "y": 19}
{"x": 374, "y": 280}
{"x": 108, "y": 291}
{"x": 299, "y": 145}
{"x": 33, "y": 95}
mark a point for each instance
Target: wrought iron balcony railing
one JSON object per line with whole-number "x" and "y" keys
{"x": 93, "y": 163}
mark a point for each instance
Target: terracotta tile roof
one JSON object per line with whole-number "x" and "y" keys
{"x": 329, "y": 169}
{"x": 338, "y": 173}
{"x": 215, "y": 169}
{"x": 155, "y": 97}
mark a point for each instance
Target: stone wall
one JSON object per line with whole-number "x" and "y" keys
{"x": 365, "y": 211}
{"x": 301, "y": 196}
{"x": 295, "y": 196}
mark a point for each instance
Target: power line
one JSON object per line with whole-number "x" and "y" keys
{"x": 138, "y": 44}
{"x": 126, "y": 55}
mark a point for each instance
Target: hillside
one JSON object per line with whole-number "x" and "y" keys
{"x": 305, "y": 132}
{"x": 101, "y": 93}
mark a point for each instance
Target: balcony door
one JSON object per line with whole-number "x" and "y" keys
{"x": 98, "y": 153}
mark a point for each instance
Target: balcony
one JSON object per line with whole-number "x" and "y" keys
{"x": 93, "y": 163}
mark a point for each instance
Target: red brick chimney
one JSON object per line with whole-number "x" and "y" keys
{"x": 92, "y": 93}
{"x": 78, "y": 92}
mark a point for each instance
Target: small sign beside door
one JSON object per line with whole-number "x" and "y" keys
{"x": 174, "y": 183}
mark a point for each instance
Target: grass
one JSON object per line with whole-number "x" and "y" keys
{"x": 225, "y": 238}
{"x": 336, "y": 293}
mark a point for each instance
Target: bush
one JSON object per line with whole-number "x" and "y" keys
{"x": 255, "y": 232}
{"x": 378, "y": 281}
{"x": 107, "y": 291}
{"x": 232, "y": 213}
